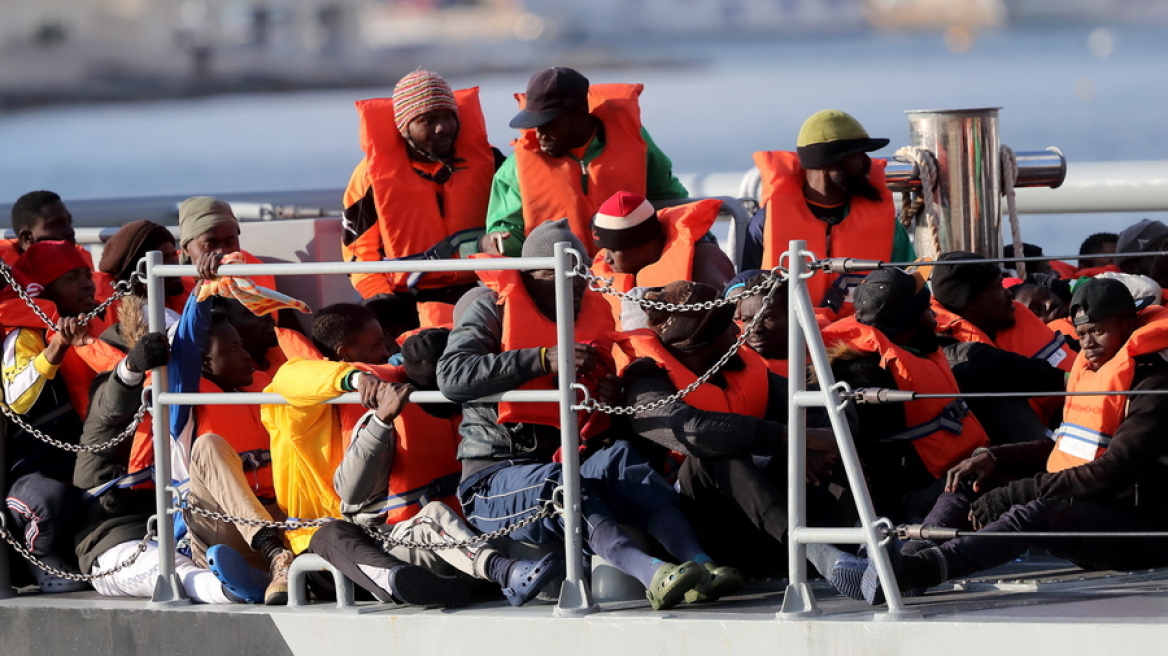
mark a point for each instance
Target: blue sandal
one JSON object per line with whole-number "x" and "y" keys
{"x": 528, "y": 577}
{"x": 240, "y": 580}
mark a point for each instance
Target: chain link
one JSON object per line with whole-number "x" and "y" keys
{"x": 604, "y": 286}
{"x": 548, "y": 510}
{"x": 591, "y": 404}
{"x": 74, "y": 576}
{"x": 121, "y": 289}
{"x": 249, "y": 521}
{"x": 126, "y": 434}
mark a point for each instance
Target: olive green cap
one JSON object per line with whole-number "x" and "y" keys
{"x": 828, "y": 135}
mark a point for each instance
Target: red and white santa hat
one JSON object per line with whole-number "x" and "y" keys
{"x": 625, "y": 220}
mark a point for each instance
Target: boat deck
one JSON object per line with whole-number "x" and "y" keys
{"x": 1036, "y": 606}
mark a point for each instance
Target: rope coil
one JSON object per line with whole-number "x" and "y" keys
{"x": 926, "y": 164}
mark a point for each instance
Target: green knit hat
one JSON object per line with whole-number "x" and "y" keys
{"x": 829, "y": 135}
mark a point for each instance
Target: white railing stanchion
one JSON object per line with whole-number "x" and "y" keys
{"x": 797, "y": 600}
{"x": 168, "y": 589}
{"x": 575, "y": 595}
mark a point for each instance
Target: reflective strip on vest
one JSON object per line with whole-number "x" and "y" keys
{"x": 121, "y": 482}
{"x": 1080, "y": 441}
{"x": 951, "y": 420}
{"x": 1053, "y": 352}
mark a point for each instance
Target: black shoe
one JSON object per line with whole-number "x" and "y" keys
{"x": 418, "y": 586}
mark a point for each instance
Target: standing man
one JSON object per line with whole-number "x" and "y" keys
{"x": 421, "y": 190}
{"x": 832, "y": 195}
{"x": 580, "y": 145}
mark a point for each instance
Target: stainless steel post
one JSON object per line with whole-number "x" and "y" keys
{"x": 168, "y": 589}
{"x": 797, "y": 600}
{"x": 575, "y": 595}
{"x": 965, "y": 143}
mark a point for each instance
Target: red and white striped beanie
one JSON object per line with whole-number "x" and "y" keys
{"x": 625, "y": 220}
{"x": 418, "y": 93}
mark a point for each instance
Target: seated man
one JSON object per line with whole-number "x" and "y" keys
{"x": 505, "y": 340}
{"x": 268, "y": 345}
{"x": 396, "y": 315}
{"x": 114, "y": 516}
{"x": 208, "y": 225}
{"x": 1105, "y": 472}
{"x": 120, "y": 258}
{"x": 579, "y": 145}
{"x": 769, "y": 336}
{"x": 309, "y": 436}
{"x": 643, "y": 247}
{"x": 46, "y": 386}
{"x": 891, "y": 343}
{"x": 729, "y": 431}
{"x": 42, "y": 216}
{"x": 226, "y": 451}
{"x": 408, "y": 451}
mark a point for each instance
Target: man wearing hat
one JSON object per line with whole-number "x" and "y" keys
{"x": 890, "y": 342}
{"x": 830, "y": 194}
{"x": 728, "y": 433}
{"x": 421, "y": 190}
{"x": 208, "y": 230}
{"x": 580, "y": 144}
{"x": 1105, "y": 471}
{"x": 1145, "y": 236}
{"x": 643, "y": 247}
{"x": 506, "y": 340}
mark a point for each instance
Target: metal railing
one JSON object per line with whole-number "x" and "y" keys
{"x": 575, "y": 596}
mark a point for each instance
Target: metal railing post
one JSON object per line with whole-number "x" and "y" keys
{"x": 575, "y": 595}
{"x": 797, "y": 600}
{"x": 168, "y": 589}
{"x": 830, "y": 399}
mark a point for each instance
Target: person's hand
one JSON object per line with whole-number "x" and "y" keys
{"x": 69, "y": 333}
{"x": 819, "y": 466}
{"x": 391, "y": 398}
{"x": 988, "y": 507}
{"x": 368, "y": 386}
{"x": 608, "y": 390}
{"x": 207, "y": 265}
{"x": 492, "y": 242}
{"x": 978, "y": 467}
{"x": 585, "y": 355}
{"x": 151, "y": 351}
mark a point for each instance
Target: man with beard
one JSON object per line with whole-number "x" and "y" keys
{"x": 729, "y": 434}
{"x": 421, "y": 190}
{"x": 580, "y": 145}
{"x": 831, "y": 194}
{"x": 891, "y": 343}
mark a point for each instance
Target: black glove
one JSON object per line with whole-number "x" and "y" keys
{"x": 834, "y": 299}
{"x": 991, "y": 505}
{"x": 151, "y": 351}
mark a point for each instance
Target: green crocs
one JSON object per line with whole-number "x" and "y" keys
{"x": 671, "y": 582}
{"x": 716, "y": 582}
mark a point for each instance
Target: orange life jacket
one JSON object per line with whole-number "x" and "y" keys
{"x": 240, "y": 425}
{"x": 1090, "y": 421}
{"x": 943, "y": 431}
{"x": 417, "y": 218}
{"x": 425, "y": 461}
{"x": 1065, "y": 270}
{"x": 745, "y": 392}
{"x": 551, "y": 186}
{"x": 684, "y": 225}
{"x": 1064, "y": 327}
{"x": 524, "y": 326}
{"x": 868, "y": 232}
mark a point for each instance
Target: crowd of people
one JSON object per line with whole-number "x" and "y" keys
{"x": 686, "y": 493}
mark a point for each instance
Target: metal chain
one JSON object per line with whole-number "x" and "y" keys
{"x": 126, "y": 434}
{"x": 121, "y": 289}
{"x": 249, "y": 521}
{"x": 74, "y": 576}
{"x": 591, "y": 404}
{"x": 604, "y": 286}
{"x": 548, "y": 510}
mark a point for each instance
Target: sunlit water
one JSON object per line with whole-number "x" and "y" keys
{"x": 709, "y": 117}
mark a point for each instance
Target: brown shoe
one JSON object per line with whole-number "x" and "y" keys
{"x": 277, "y": 592}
